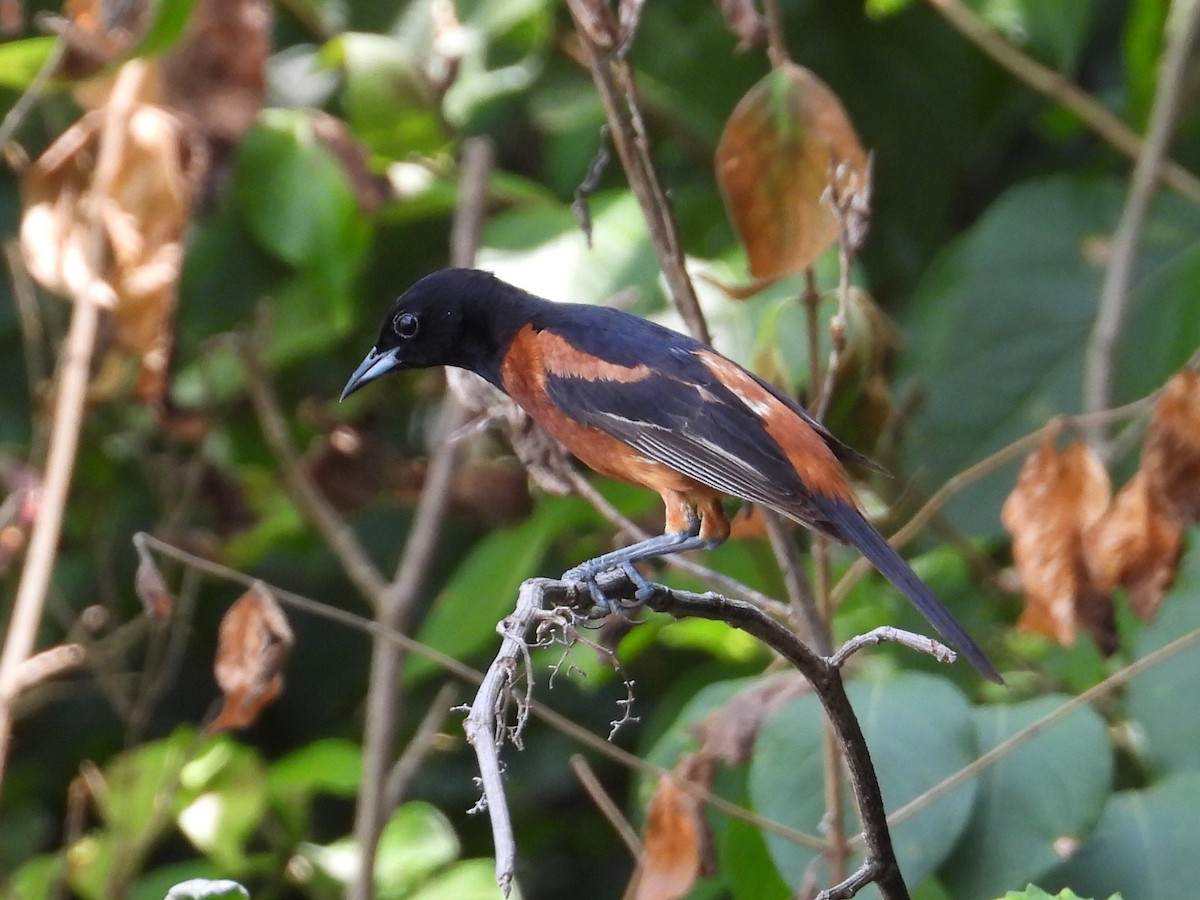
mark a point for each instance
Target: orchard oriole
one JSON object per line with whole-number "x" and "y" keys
{"x": 647, "y": 405}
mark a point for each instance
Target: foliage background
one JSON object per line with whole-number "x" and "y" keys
{"x": 992, "y": 217}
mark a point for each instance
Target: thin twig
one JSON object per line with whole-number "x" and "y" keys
{"x": 400, "y": 597}
{"x": 1183, "y": 21}
{"x": 608, "y": 808}
{"x": 598, "y": 32}
{"x": 420, "y": 746}
{"x": 1061, "y": 90}
{"x": 69, "y": 405}
{"x": 313, "y": 504}
{"x": 32, "y": 94}
{"x": 1033, "y": 729}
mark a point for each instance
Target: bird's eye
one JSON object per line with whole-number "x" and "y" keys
{"x": 405, "y": 325}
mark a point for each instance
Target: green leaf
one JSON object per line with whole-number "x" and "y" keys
{"x": 297, "y": 201}
{"x": 386, "y": 96}
{"x": 1156, "y": 697}
{"x": 472, "y": 879}
{"x": 1000, "y": 320}
{"x": 541, "y": 248}
{"x": 484, "y": 587}
{"x": 919, "y": 730}
{"x": 36, "y": 878}
{"x": 1036, "y": 893}
{"x": 222, "y": 798}
{"x": 1144, "y": 845}
{"x": 1052, "y": 787}
{"x": 417, "y": 841}
{"x": 1056, "y": 30}
{"x": 20, "y": 61}
{"x": 329, "y": 766}
{"x": 169, "y": 19}
{"x": 140, "y": 786}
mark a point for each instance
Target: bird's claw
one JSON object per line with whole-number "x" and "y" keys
{"x": 602, "y": 604}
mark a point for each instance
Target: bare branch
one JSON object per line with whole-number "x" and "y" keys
{"x": 67, "y": 418}
{"x": 911, "y": 640}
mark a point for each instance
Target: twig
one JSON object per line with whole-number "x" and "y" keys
{"x": 69, "y": 406}
{"x": 1061, "y": 90}
{"x": 607, "y": 807}
{"x": 602, "y": 39}
{"x": 1183, "y": 21}
{"x": 1033, "y": 729}
{"x": 419, "y": 747}
{"x": 46, "y": 665}
{"x": 313, "y": 504}
{"x": 16, "y": 115}
{"x": 397, "y": 602}
{"x": 803, "y": 609}
{"x": 911, "y": 640}
{"x": 449, "y": 664}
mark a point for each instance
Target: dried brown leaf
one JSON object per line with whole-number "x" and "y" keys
{"x": 252, "y": 645}
{"x": 1171, "y": 455}
{"x": 1056, "y": 498}
{"x": 676, "y": 842}
{"x": 1136, "y": 546}
{"x": 781, "y": 144}
{"x": 140, "y": 220}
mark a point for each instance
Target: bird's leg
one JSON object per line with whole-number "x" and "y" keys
{"x": 623, "y": 559}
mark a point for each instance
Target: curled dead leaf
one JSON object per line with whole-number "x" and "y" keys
{"x": 1134, "y": 545}
{"x": 785, "y": 139}
{"x": 1171, "y": 454}
{"x": 138, "y": 221}
{"x": 1057, "y": 497}
{"x": 676, "y": 846}
{"x": 252, "y": 645}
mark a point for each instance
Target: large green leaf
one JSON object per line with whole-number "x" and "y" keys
{"x": 919, "y": 730}
{"x": 1052, "y": 787}
{"x": 296, "y": 200}
{"x": 484, "y": 587}
{"x": 1144, "y": 846}
{"x": 1159, "y": 697}
{"x": 1002, "y": 318}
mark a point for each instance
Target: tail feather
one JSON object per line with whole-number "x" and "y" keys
{"x": 852, "y": 527}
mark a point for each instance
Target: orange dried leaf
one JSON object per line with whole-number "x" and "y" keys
{"x": 676, "y": 839}
{"x": 1171, "y": 455}
{"x": 1136, "y": 546}
{"x": 1057, "y": 496}
{"x": 252, "y": 645}
{"x": 774, "y": 162}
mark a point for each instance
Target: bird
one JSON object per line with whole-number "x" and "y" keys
{"x": 644, "y": 404}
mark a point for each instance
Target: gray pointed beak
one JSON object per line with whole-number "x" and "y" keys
{"x": 373, "y": 366}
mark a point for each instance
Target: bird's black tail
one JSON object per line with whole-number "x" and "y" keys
{"x": 850, "y": 525}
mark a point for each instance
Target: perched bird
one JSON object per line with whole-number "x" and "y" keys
{"x": 647, "y": 405}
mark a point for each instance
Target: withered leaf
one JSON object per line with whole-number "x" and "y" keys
{"x": 784, "y": 140}
{"x": 1135, "y": 545}
{"x": 140, "y": 218}
{"x": 676, "y": 843}
{"x": 252, "y": 645}
{"x": 1171, "y": 455}
{"x": 1056, "y": 498}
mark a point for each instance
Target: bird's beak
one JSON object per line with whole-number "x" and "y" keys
{"x": 374, "y": 365}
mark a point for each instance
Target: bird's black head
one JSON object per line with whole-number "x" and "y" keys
{"x": 449, "y": 318}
